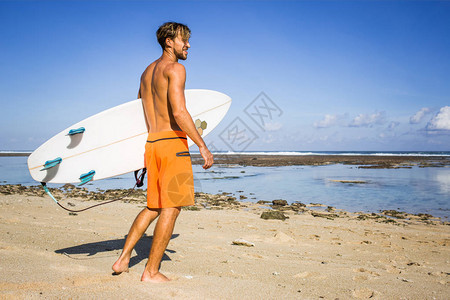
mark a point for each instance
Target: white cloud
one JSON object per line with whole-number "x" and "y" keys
{"x": 418, "y": 117}
{"x": 441, "y": 121}
{"x": 273, "y": 126}
{"x": 324, "y": 138}
{"x": 363, "y": 120}
{"x": 329, "y": 120}
{"x": 268, "y": 139}
{"x": 393, "y": 125}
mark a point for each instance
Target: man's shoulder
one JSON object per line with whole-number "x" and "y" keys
{"x": 175, "y": 68}
{"x": 148, "y": 69}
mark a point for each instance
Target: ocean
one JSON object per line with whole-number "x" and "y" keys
{"x": 414, "y": 190}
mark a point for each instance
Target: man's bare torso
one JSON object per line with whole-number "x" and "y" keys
{"x": 154, "y": 93}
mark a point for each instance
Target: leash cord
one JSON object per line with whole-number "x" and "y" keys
{"x": 92, "y": 206}
{"x": 139, "y": 183}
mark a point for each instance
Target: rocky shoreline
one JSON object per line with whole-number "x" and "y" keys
{"x": 363, "y": 161}
{"x": 276, "y": 209}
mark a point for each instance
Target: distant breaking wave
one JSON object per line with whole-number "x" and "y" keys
{"x": 14, "y": 151}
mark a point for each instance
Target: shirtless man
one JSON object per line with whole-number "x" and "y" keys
{"x": 170, "y": 180}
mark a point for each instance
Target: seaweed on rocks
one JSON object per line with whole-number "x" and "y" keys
{"x": 275, "y": 215}
{"x": 298, "y": 206}
{"x": 263, "y": 202}
{"x": 330, "y": 209}
{"x": 394, "y": 213}
{"x": 328, "y": 216}
{"x": 195, "y": 208}
{"x": 279, "y": 202}
{"x": 220, "y": 201}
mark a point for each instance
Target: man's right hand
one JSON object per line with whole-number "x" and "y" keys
{"x": 207, "y": 157}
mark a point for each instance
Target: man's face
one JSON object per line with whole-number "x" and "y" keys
{"x": 180, "y": 47}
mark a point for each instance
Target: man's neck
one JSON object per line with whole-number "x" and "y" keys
{"x": 169, "y": 55}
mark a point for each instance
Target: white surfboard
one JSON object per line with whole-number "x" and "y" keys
{"x": 112, "y": 142}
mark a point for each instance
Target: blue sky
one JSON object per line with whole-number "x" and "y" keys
{"x": 345, "y": 75}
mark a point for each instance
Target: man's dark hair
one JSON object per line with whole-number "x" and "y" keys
{"x": 170, "y": 30}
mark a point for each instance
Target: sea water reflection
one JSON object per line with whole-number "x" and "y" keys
{"x": 415, "y": 190}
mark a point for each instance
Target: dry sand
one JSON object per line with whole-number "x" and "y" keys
{"x": 47, "y": 253}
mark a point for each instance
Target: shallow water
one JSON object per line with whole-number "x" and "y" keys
{"x": 415, "y": 190}
{"x": 425, "y": 190}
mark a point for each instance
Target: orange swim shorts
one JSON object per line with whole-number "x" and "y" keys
{"x": 170, "y": 182}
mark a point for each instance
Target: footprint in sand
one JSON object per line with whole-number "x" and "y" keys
{"x": 392, "y": 269}
{"x": 314, "y": 237}
{"x": 362, "y": 270}
{"x": 88, "y": 280}
{"x": 214, "y": 247}
{"x": 364, "y": 293}
{"x": 390, "y": 266}
{"x": 364, "y": 274}
{"x": 360, "y": 278}
{"x": 306, "y": 274}
{"x": 253, "y": 255}
{"x": 280, "y": 237}
{"x": 283, "y": 237}
{"x": 439, "y": 274}
{"x": 444, "y": 242}
{"x": 69, "y": 269}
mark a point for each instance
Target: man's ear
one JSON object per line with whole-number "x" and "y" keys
{"x": 169, "y": 42}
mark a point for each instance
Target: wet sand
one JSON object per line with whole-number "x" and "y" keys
{"x": 316, "y": 252}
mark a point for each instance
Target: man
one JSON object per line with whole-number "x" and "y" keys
{"x": 170, "y": 179}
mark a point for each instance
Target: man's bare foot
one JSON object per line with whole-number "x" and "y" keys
{"x": 121, "y": 265}
{"x": 155, "y": 278}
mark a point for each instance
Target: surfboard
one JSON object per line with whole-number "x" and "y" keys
{"x": 112, "y": 142}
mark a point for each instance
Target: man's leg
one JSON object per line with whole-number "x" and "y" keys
{"x": 140, "y": 225}
{"x": 161, "y": 237}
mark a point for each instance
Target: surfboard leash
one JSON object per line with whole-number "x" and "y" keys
{"x": 139, "y": 183}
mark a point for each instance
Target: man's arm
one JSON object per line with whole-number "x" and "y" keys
{"x": 146, "y": 122}
{"x": 177, "y": 78}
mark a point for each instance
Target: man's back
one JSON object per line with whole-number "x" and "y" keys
{"x": 154, "y": 93}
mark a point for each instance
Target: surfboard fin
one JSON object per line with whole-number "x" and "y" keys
{"x": 51, "y": 163}
{"x": 76, "y": 131}
{"x": 86, "y": 177}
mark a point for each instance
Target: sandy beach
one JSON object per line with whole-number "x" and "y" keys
{"x": 315, "y": 253}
